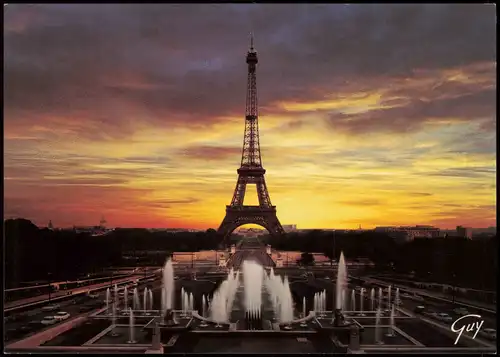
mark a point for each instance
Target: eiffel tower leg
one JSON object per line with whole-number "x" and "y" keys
{"x": 274, "y": 226}
{"x": 226, "y": 228}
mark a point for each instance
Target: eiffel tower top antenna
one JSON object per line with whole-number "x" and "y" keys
{"x": 251, "y": 42}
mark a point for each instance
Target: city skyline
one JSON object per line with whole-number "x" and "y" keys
{"x": 375, "y": 115}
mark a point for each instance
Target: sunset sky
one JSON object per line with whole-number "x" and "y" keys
{"x": 369, "y": 114}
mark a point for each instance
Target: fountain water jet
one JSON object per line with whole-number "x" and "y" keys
{"x": 108, "y": 300}
{"x": 378, "y": 337}
{"x": 389, "y": 297}
{"x": 286, "y": 305}
{"x": 304, "y": 313}
{"x": 115, "y": 295}
{"x": 168, "y": 284}
{"x": 145, "y": 300}
{"x": 338, "y": 318}
{"x": 125, "y": 298}
{"x": 353, "y": 300}
{"x": 390, "y": 330}
{"x": 379, "y": 305}
{"x": 113, "y": 319}
{"x": 361, "y": 300}
{"x": 191, "y": 303}
{"x": 341, "y": 281}
{"x": 150, "y": 292}
{"x": 131, "y": 327}
{"x": 203, "y": 310}
{"x": 372, "y": 300}
{"x": 136, "y": 303}
{"x": 185, "y": 304}
{"x": 163, "y": 309}
{"x": 397, "y": 300}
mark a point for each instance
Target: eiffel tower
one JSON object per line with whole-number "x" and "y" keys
{"x": 251, "y": 170}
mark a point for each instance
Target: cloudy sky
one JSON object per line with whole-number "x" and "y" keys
{"x": 369, "y": 114}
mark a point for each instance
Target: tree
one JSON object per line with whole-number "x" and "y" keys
{"x": 306, "y": 259}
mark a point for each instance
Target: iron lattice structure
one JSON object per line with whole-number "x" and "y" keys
{"x": 251, "y": 170}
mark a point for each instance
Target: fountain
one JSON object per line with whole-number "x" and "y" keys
{"x": 286, "y": 305}
{"x": 397, "y": 300}
{"x": 372, "y": 300}
{"x": 108, "y": 300}
{"x": 115, "y": 295}
{"x": 190, "y": 303}
{"x": 162, "y": 312}
{"x": 315, "y": 304}
{"x": 136, "y": 304}
{"x": 389, "y": 298}
{"x": 378, "y": 337}
{"x": 218, "y": 306}
{"x": 125, "y": 298}
{"x": 323, "y": 303}
{"x": 185, "y": 304}
{"x": 353, "y": 300}
{"x": 379, "y": 305}
{"x": 304, "y": 313}
{"x": 361, "y": 300}
{"x": 167, "y": 315}
{"x": 203, "y": 310}
{"x": 390, "y": 330}
{"x": 150, "y": 299}
{"x": 145, "y": 300}
{"x": 253, "y": 282}
{"x": 113, "y": 320}
{"x": 168, "y": 294}
{"x": 338, "y": 318}
{"x": 222, "y": 301}
{"x": 131, "y": 327}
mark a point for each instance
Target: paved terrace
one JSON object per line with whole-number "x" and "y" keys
{"x": 250, "y": 249}
{"x": 61, "y": 294}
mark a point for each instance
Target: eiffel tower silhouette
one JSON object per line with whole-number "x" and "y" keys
{"x": 251, "y": 170}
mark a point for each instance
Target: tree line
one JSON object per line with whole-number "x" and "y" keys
{"x": 449, "y": 260}
{"x": 32, "y": 253}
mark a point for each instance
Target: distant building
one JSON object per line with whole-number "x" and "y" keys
{"x": 290, "y": 227}
{"x": 251, "y": 232}
{"x": 464, "y": 232}
{"x": 50, "y": 226}
{"x": 406, "y": 234}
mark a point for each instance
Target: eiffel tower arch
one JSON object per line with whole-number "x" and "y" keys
{"x": 251, "y": 170}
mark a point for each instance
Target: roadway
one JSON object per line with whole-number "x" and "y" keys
{"x": 59, "y": 294}
{"x": 436, "y": 295}
{"x": 407, "y": 283}
{"x": 410, "y": 302}
{"x": 81, "y": 281}
{"x": 25, "y": 324}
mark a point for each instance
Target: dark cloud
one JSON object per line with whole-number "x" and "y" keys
{"x": 168, "y": 203}
{"x": 82, "y": 182}
{"x": 106, "y": 66}
{"x": 362, "y": 202}
{"x": 211, "y": 152}
{"x": 407, "y": 118}
{"x": 420, "y": 194}
{"x": 464, "y": 172}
